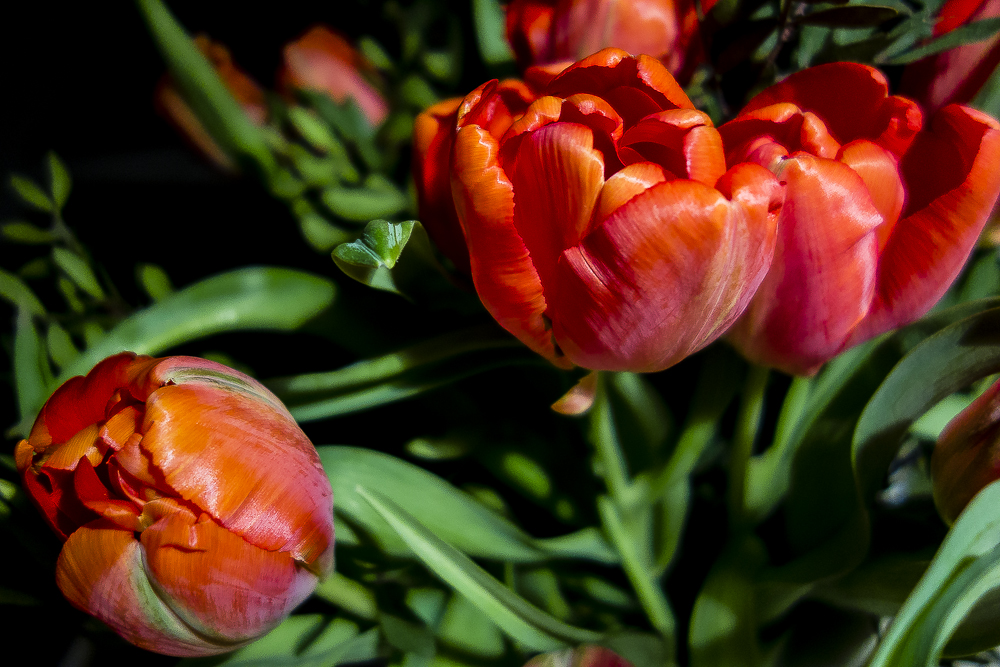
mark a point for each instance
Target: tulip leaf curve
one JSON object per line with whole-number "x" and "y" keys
{"x": 255, "y": 298}
{"x": 518, "y": 618}
{"x": 445, "y": 510}
{"x": 372, "y": 258}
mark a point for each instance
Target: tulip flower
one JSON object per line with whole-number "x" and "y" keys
{"x": 881, "y": 210}
{"x": 958, "y": 74}
{"x": 549, "y": 31}
{"x": 243, "y": 88}
{"x": 967, "y": 455}
{"x": 195, "y": 512}
{"x": 582, "y": 656}
{"x": 602, "y": 226}
{"x": 323, "y": 61}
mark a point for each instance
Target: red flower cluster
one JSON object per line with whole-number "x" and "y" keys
{"x": 607, "y": 224}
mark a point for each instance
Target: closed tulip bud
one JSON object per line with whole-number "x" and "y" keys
{"x": 549, "y": 31}
{"x": 967, "y": 455}
{"x": 246, "y": 92}
{"x": 602, "y": 226}
{"x": 195, "y": 512}
{"x": 582, "y": 656}
{"x": 955, "y": 75}
{"x": 323, "y": 61}
{"x": 881, "y": 209}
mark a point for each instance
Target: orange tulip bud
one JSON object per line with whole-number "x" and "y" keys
{"x": 967, "y": 455}
{"x": 324, "y": 61}
{"x": 195, "y": 512}
{"x": 602, "y": 227}
{"x": 880, "y": 211}
{"x": 548, "y": 31}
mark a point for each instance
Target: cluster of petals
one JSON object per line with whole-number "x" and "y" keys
{"x": 195, "y": 512}
{"x": 550, "y": 31}
{"x": 602, "y": 226}
{"x": 881, "y": 209}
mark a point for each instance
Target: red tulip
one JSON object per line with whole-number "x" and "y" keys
{"x": 242, "y": 87}
{"x": 880, "y": 211}
{"x": 958, "y": 74}
{"x": 195, "y": 512}
{"x": 602, "y": 226}
{"x": 548, "y": 31}
{"x": 324, "y": 61}
{"x": 967, "y": 455}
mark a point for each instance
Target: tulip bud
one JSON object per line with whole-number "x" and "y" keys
{"x": 324, "y": 61}
{"x": 967, "y": 455}
{"x": 196, "y": 514}
{"x": 582, "y": 656}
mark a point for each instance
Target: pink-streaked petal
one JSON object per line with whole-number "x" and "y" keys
{"x": 661, "y": 277}
{"x": 505, "y": 278}
{"x": 822, "y": 280}
{"x": 225, "y": 588}
{"x": 553, "y": 212}
{"x": 100, "y": 571}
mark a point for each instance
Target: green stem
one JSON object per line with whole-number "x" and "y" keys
{"x": 604, "y": 437}
{"x": 747, "y": 425}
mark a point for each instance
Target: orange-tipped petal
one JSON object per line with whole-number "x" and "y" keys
{"x": 226, "y": 589}
{"x": 506, "y": 280}
{"x": 630, "y": 182}
{"x": 823, "y": 279}
{"x": 564, "y": 153}
{"x": 880, "y": 171}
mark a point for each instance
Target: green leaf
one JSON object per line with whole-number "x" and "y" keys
{"x": 31, "y": 193}
{"x": 965, "y": 569}
{"x": 256, "y": 298}
{"x": 314, "y": 130}
{"x": 78, "y": 270}
{"x": 365, "y": 203}
{"x": 23, "y": 232}
{"x": 970, "y": 33}
{"x": 61, "y": 347}
{"x": 372, "y": 258}
{"x": 854, "y": 16}
{"x": 154, "y": 281}
{"x": 468, "y": 629}
{"x": 16, "y": 291}
{"x": 491, "y": 32}
{"x": 204, "y": 90}
{"x": 519, "y": 619}
{"x": 32, "y": 374}
{"x": 60, "y": 180}
{"x": 452, "y": 514}
{"x": 301, "y": 641}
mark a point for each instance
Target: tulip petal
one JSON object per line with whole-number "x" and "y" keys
{"x": 660, "y": 278}
{"x": 880, "y": 172}
{"x": 564, "y": 153}
{"x": 100, "y": 571}
{"x": 954, "y": 184}
{"x": 631, "y": 181}
{"x": 253, "y": 470}
{"x": 823, "y": 277}
{"x": 220, "y": 585}
{"x": 505, "y": 278}
{"x": 683, "y": 141}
